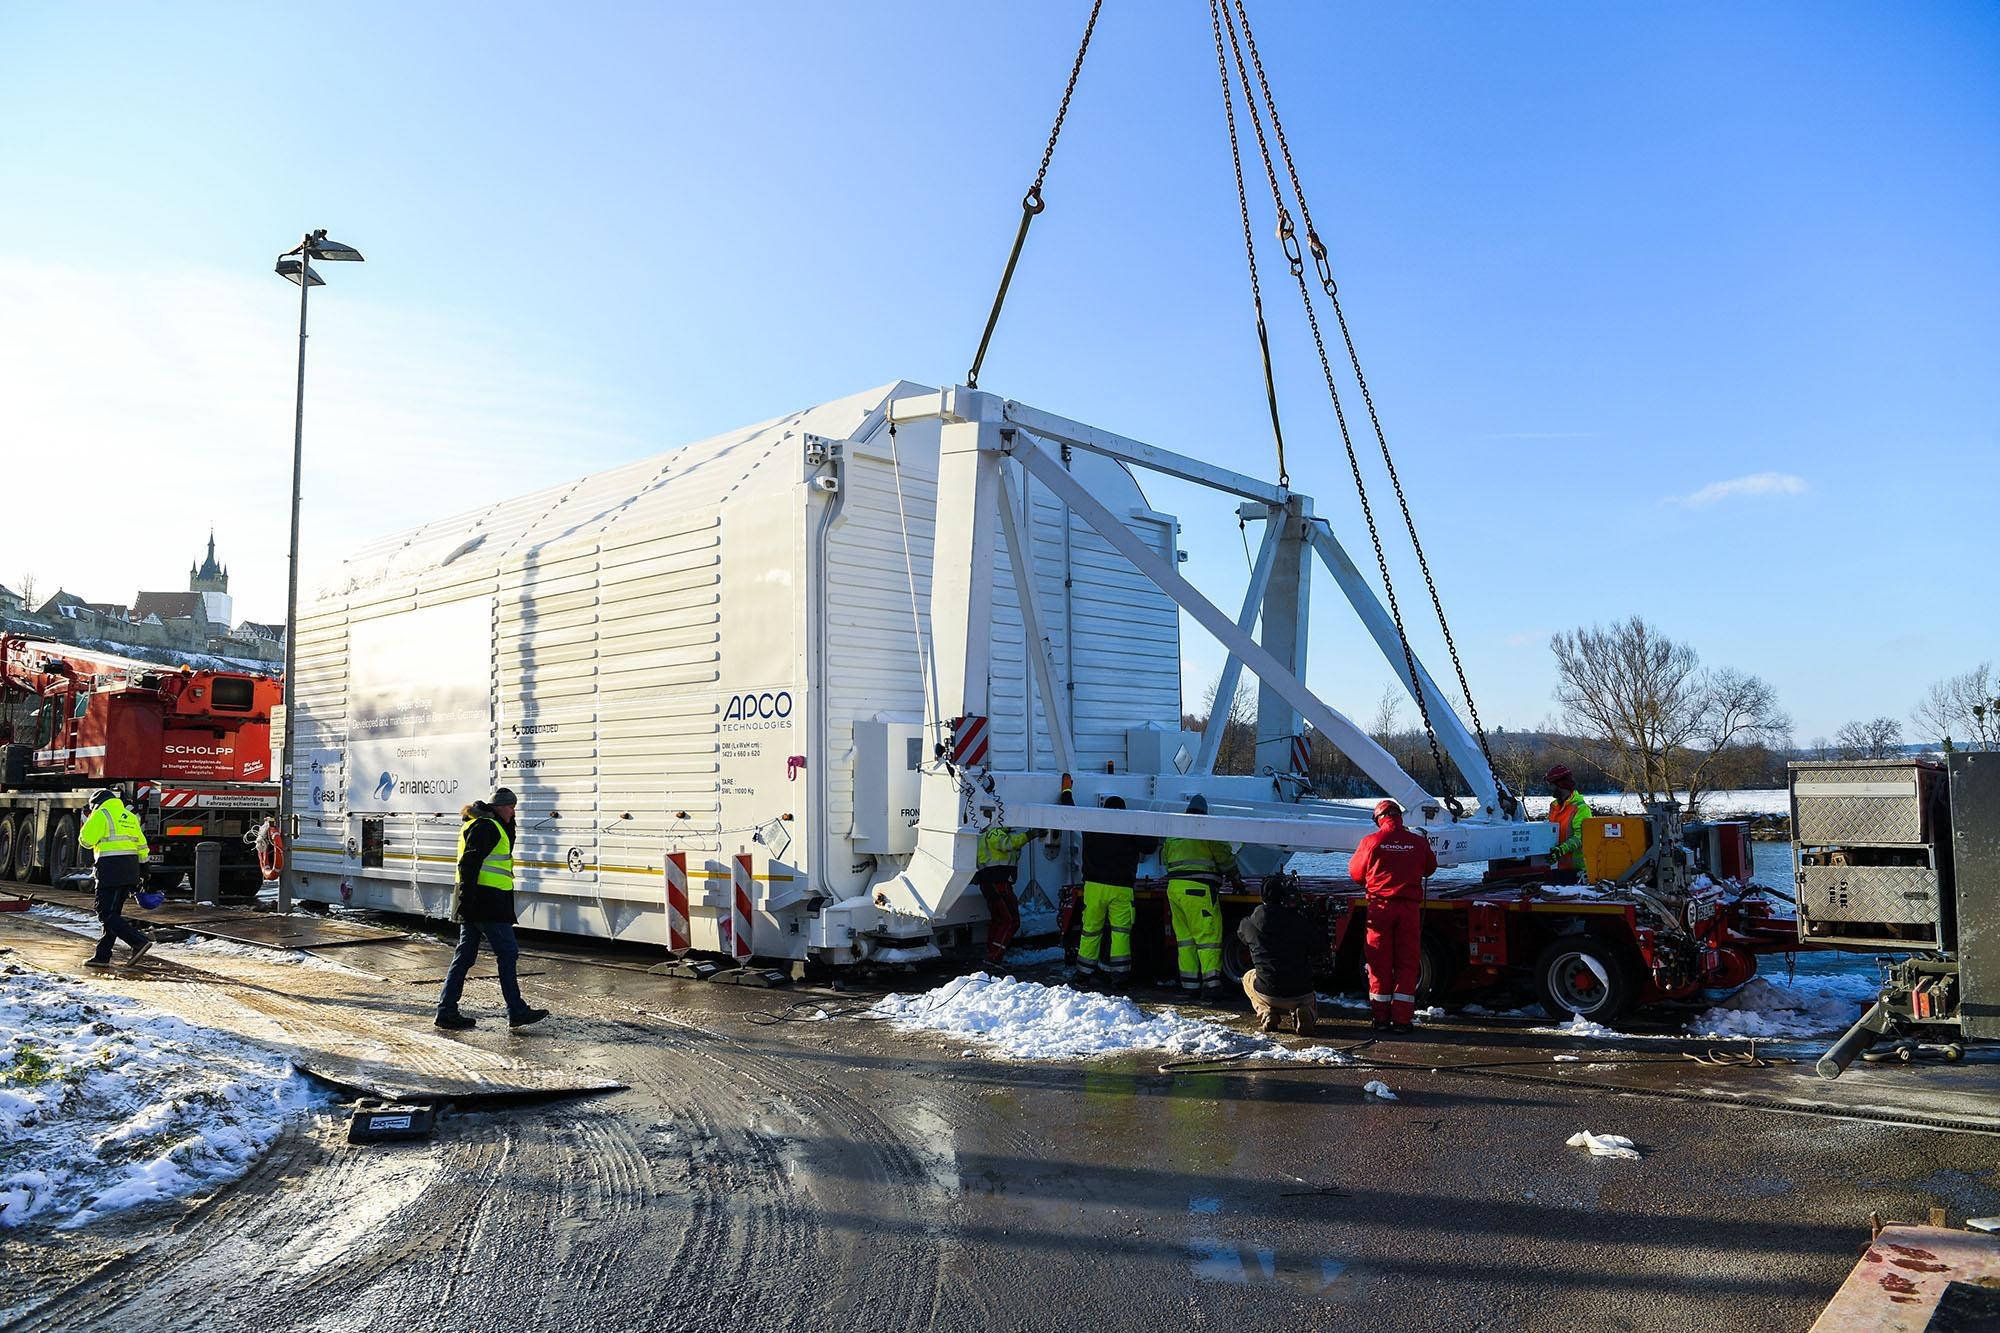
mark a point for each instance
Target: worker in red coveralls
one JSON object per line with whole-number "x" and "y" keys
{"x": 1391, "y": 864}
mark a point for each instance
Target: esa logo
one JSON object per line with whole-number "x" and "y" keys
{"x": 752, "y": 706}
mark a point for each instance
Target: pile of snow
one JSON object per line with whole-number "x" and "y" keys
{"x": 1604, "y": 1145}
{"x": 1806, "y": 1006}
{"x": 106, "y": 1104}
{"x": 1030, "y": 1021}
{"x": 1375, "y": 1087}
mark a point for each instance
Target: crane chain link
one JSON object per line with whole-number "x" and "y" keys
{"x": 1324, "y": 270}
{"x": 1031, "y": 202}
{"x": 1249, "y": 243}
{"x": 1288, "y": 236}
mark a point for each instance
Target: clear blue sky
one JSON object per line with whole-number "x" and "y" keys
{"x": 1600, "y": 260}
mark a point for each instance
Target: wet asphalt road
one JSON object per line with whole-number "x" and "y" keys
{"x": 840, "y": 1175}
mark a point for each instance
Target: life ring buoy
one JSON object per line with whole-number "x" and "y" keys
{"x": 271, "y": 855}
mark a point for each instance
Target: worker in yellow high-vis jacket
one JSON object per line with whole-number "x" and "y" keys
{"x": 1196, "y": 870}
{"x": 113, "y": 834}
{"x": 999, "y": 866}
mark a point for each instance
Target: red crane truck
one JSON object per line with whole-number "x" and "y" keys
{"x": 190, "y": 750}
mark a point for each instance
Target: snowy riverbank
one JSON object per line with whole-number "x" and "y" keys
{"x": 107, "y": 1104}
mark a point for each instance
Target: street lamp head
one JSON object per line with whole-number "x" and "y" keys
{"x": 319, "y": 247}
{"x": 290, "y": 270}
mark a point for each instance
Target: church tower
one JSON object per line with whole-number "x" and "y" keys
{"x": 212, "y": 582}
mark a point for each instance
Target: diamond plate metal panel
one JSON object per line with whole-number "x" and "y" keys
{"x": 1863, "y": 804}
{"x": 1975, "y": 854}
{"x": 1885, "y": 894}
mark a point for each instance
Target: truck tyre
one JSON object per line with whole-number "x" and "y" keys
{"x": 23, "y": 867}
{"x": 6, "y": 846}
{"x": 1567, "y": 983}
{"x": 1436, "y": 968}
{"x": 62, "y": 856}
{"x": 1235, "y": 953}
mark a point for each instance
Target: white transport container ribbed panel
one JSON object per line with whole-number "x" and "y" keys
{"x": 714, "y": 651}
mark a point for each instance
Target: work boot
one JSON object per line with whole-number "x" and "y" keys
{"x": 1381, "y": 1025}
{"x": 1303, "y": 1023}
{"x": 525, "y": 1017}
{"x": 1267, "y": 1022}
{"x": 1402, "y": 1029}
{"x": 97, "y": 962}
{"x": 140, "y": 950}
{"x": 455, "y": 1022}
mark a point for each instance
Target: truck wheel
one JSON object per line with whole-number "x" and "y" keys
{"x": 6, "y": 846}
{"x": 1235, "y": 953}
{"x": 62, "y": 849}
{"x": 1580, "y": 975}
{"x": 1435, "y": 971}
{"x": 24, "y": 848}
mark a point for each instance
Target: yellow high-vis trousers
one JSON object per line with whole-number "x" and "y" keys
{"x": 1197, "y": 932}
{"x": 1107, "y": 928}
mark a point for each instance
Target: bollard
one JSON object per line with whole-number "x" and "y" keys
{"x": 207, "y": 872}
{"x": 678, "y": 941}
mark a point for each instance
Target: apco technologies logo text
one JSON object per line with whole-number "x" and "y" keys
{"x": 757, "y": 708}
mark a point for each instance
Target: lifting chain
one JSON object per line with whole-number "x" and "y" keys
{"x": 1031, "y": 202}
{"x": 1288, "y": 237}
{"x": 1325, "y": 273}
{"x": 1249, "y": 244}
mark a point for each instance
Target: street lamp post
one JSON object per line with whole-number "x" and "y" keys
{"x": 295, "y": 266}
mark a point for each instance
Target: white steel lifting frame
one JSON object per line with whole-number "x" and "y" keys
{"x": 980, "y": 433}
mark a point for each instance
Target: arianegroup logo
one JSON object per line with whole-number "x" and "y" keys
{"x": 385, "y": 786}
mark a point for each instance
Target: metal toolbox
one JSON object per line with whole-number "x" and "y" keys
{"x": 1881, "y": 802}
{"x": 1836, "y": 896}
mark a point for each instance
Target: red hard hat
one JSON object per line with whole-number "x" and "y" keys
{"x": 1386, "y": 807}
{"x": 1560, "y": 776}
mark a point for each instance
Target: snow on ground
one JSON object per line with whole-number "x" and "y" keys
{"x": 1030, "y": 1021}
{"x": 106, "y": 1104}
{"x": 1035, "y": 957}
{"x": 190, "y": 951}
{"x": 1805, "y": 1006}
{"x": 1579, "y": 1026}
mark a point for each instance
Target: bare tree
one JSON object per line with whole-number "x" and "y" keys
{"x": 1238, "y": 751}
{"x": 1736, "y": 709}
{"x": 1963, "y": 706}
{"x": 27, "y": 590}
{"x": 1877, "y": 738}
{"x": 1649, "y": 715}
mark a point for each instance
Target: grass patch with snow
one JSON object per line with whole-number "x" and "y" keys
{"x": 107, "y": 1104}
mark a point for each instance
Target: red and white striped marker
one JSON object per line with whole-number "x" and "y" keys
{"x": 1301, "y": 754}
{"x": 968, "y": 741}
{"x": 740, "y": 882}
{"x": 172, "y": 799}
{"x": 677, "y": 903}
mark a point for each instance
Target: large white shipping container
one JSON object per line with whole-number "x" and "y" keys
{"x": 719, "y": 650}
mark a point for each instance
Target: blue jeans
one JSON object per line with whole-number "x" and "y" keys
{"x": 500, "y": 935}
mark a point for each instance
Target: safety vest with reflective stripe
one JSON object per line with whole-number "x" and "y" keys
{"x": 1000, "y": 846}
{"x": 1201, "y": 859}
{"x": 112, "y": 830}
{"x": 497, "y": 870}
{"x": 1568, "y": 818}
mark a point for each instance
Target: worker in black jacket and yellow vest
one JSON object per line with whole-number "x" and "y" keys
{"x": 1110, "y": 867}
{"x": 483, "y": 902}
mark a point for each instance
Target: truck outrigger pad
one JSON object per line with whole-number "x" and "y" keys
{"x": 765, "y": 978}
{"x": 687, "y": 969}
